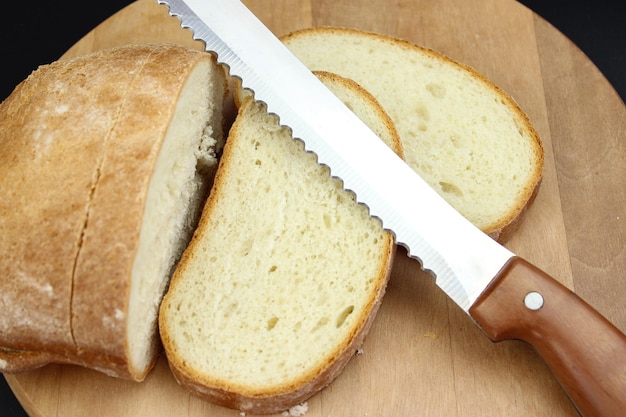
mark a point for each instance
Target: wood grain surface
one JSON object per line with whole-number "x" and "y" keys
{"x": 424, "y": 356}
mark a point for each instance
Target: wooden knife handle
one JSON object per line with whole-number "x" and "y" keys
{"x": 586, "y": 353}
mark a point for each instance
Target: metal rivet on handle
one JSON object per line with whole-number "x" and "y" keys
{"x": 533, "y": 300}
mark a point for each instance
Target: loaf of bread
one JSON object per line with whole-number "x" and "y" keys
{"x": 284, "y": 274}
{"x": 105, "y": 163}
{"x": 466, "y": 137}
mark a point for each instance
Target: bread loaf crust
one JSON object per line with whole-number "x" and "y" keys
{"x": 79, "y": 142}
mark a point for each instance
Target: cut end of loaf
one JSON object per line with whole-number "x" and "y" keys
{"x": 178, "y": 189}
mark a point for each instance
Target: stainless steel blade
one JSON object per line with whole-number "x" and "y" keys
{"x": 463, "y": 259}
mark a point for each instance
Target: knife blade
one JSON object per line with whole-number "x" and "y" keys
{"x": 506, "y": 296}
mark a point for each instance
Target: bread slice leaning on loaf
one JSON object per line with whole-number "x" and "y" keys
{"x": 466, "y": 137}
{"x": 284, "y": 275}
{"x": 105, "y": 162}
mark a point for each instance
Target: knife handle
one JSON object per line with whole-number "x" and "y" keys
{"x": 586, "y": 353}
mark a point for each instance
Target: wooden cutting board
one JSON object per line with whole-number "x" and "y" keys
{"x": 424, "y": 356}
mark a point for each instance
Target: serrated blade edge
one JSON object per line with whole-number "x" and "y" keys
{"x": 463, "y": 259}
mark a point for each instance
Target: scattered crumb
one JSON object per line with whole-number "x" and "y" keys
{"x": 242, "y": 414}
{"x": 431, "y": 335}
{"x": 359, "y": 351}
{"x": 297, "y": 410}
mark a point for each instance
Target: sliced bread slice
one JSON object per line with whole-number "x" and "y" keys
{"x": 105, "y": 162}
{"x": 284, "y": 274}
{"x": 465, "y": 136}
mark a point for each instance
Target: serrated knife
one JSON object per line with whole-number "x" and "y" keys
{"x": 505, "y": 295}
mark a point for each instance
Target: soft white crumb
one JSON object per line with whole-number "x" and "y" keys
{"x": 297, "y": 410}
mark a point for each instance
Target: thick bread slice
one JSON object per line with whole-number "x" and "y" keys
{"x": 467, "y": 138}
{"x": 105, "y": 161}
{"x": 284, "y": 274}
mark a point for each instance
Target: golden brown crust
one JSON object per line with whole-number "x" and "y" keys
{"x": 504, "y": 227}
{"x": 22, "y": 361}
{"x": 78, "y": 144}
{"x": 111, "y": 238}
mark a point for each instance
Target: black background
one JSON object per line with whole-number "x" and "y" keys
{"x": 38, "y": 32}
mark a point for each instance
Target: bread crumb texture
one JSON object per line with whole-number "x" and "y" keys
{"x": 267, "y": 293}
{"x": 462, "y": 134}
{"x": 297, "y": 410}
